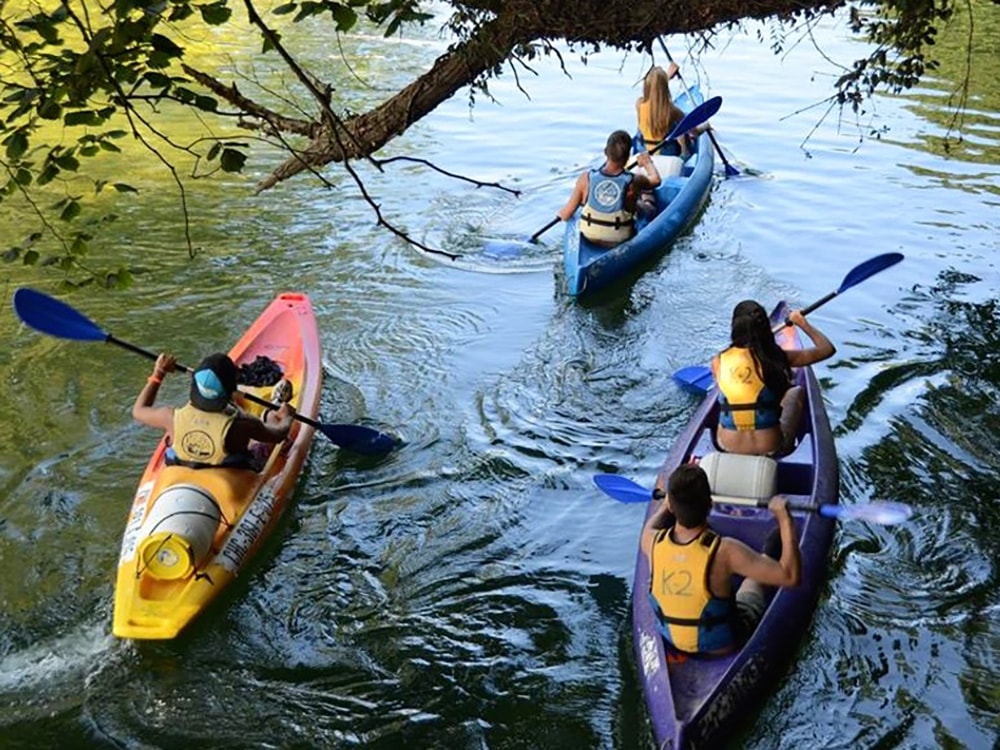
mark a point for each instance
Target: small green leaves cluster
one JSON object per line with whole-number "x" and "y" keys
{"x": 392, "y": 14}
{"x": 79, "y": 78}
{"x": 902, "y": 31}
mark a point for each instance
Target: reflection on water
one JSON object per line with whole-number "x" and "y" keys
{"x": 963, "y": 103}
{"x": 471, "y": 589}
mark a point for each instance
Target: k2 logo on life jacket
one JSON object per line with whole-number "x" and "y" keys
{"x": 741, "y": 374}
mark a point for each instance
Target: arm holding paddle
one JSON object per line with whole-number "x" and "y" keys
{"x": 661, "y": 519}
{"x": 143, "y": 411}
{"x": 273, "y": 426}
{"x": 822, "y": 347}
{"x": 576, "y": 199}
{"x": 649, "y": 178}
{"x": 756, "y": 566}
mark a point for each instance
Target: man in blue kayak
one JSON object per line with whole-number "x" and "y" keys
{"x": 692, "y": 567}
{"x": 609, "y": 195}
{"x": 209, "y": 430}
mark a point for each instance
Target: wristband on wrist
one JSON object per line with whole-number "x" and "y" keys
{"x": 154, "y": 379}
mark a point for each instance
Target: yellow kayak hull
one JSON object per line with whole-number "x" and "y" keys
{"x": 191, "y": 531}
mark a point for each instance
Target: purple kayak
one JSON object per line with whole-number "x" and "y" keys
{"x": 697, "y": 702}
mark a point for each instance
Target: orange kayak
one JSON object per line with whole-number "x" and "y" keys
{"x": 191, "y": 531}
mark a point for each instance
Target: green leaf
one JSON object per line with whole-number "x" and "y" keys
{"x": 11, "y": 255}
{"x": 283, "y": 10}
{"x": 120, "y": 278}
{"x": 121, "y": 187}
{"x": 206, "y": 103}
{"x": 17, "y": 145}
{"x": 49, "y": 110}
{"x": 180, "y": 12}
{"x": 158, "y": 80}
{"x": 23, "y": 177}
{"x": 48, "y": 174}
{"x": 215, "y": 13}
{"x": 165, "y": 45}
{"x": 71, "y": 211}
{"x": 214, "y": 151}
{"x": 68, "y": 162}
{"x": 81, "y": 117}
{"x": 79, "y": 246}
{"x": 31, "y": 257}
{"x": 232, "y": 160}
{"x": 268, "y": 45}
{"x": 108, "y": 146}
{"x": 344, "y": 16}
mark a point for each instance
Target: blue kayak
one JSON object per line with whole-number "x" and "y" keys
{"x": 679, "y": 200}
{"x": 698, "y": 701}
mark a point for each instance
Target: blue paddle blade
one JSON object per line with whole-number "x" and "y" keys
{"x": 696, "y": 378}
{"x": 55, "y": 318}
{"x": 696, "y": 117}
{"x": 869, "y": 268}
{"x": 622, "y": 489}
{"x": 360, "y": 439}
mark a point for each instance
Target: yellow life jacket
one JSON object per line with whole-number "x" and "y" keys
{"x": 745, "y": 401}
{"x": 690, "y": 617}
{"x": 652, "y": 139}
{"x": 200, "y": 436}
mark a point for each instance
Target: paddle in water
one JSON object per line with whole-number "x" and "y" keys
{"x": 55, "y": 318}
{"x": 624, "y": 490}
{"x": 699, "y": 378}
{"x": 692, "y": 119}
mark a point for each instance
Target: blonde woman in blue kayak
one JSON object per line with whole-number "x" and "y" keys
{"x": 657, "y": 116}
{"x": 759, "y": 407}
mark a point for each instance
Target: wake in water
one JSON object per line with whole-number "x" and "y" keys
{"x": 51, "y": 674}
{"x": 55, "y": 659}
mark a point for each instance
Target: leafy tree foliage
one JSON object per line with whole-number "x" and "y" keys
{"x": 103, "y": 72}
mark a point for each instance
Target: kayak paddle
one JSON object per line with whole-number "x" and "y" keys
{"x": 691, "y": 120}
{"x": 731, "y": 171}
{"x": 624, "y": 490}
{"x": 700, "y": 114}
{"x": 699, "y": 377}
{"x": 55, "y": 318}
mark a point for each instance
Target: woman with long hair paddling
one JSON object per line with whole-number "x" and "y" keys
{"x": 657, "y": 116}
{"x": 759, "y": 408}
